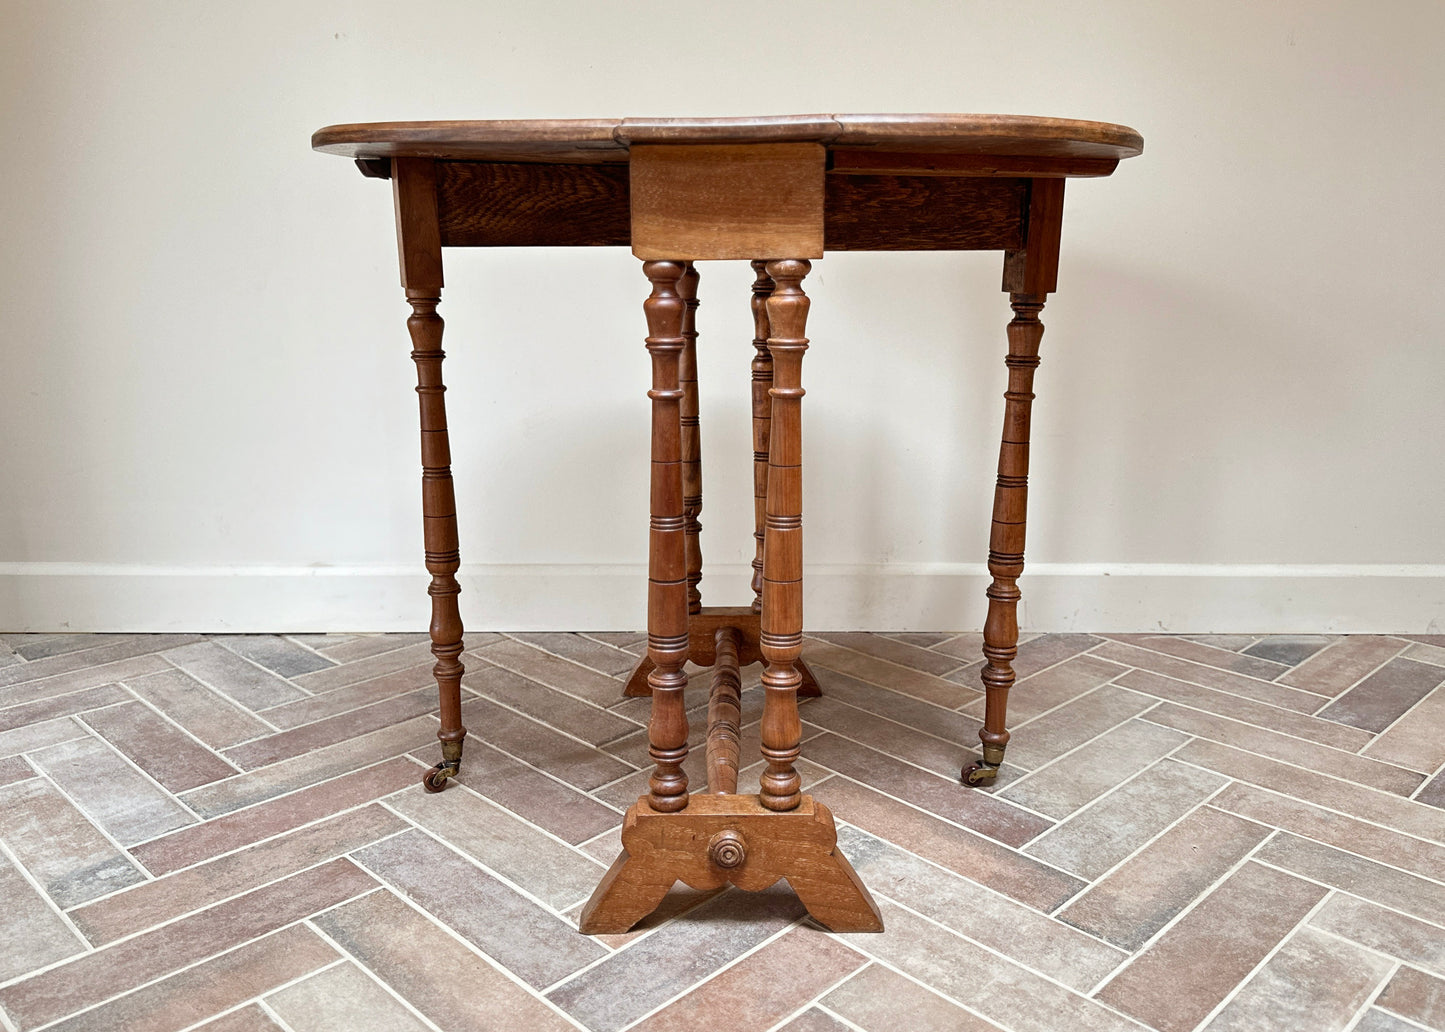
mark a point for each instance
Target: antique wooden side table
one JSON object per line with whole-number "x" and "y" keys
{"x": 779, "y": 192}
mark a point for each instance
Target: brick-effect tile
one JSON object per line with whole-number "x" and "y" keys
{"x": 344, "y": 998}
{"x": 1332, "y": 670}
{"x": 533, "y": 943}
{"x": 155, "y": 745}
{"x": 1048, "y": 946}
{"x": 1417, "y": 996}
{"x": 151, "y": 903}
{"x": 35, "y": 935}
{"x": 678, "y": 955}
{"x": 875, "y": 999}
{"x": 960, "y": 850}
{"x": 1315, "y": 983}
{"x": 763, "y": 988}
{"x": 94, "y": 977}
{"x": 1137, "y": 899}
{"x": 447, "y": 982}
{"x": 66, "y": 855}
{"x": 1383, "y": 697}
{"x": 223, "y": 834}
{"x": 1099, "y": 836}
{"x": 182, "y": 999}
{"x": 121, "y": 800}
{"x": 1407, "y": 938}
{"x": 945, "y": 797}
{"x": 1177, "y": 981}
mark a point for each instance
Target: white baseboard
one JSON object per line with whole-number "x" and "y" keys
{"x": 918, "y": 596}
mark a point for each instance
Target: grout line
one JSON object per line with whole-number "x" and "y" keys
{"x": 946, "y": 820}
{"x": 555, "y": 688}
{"x": 1404, "y": 645}
{"x": 314, "y": 651}
{"x": 172, "y": 796}
{"x": 347, "y": 958}
{"x": 231, "y": 897}
{"x": 1035, "y": 911}
{"x": 33, "y": 882}
{"x": 103, "y": 832}
{"x": 1431, "y": 811}
{"x": 267, "y": 1010}
{"x": 959, "y": 664}
{"x": 849, "y": 1024}
{"x": 1239, "y": 986}
{"x": 1278, "y": 733}
{"x": 1091, "y": 884}
{"x": 1211, "y": 666}
{"x": 223, "y": 694}
{"x": 1439, "y": 688}
{"x": 537, "y": 828}
{"x": 559, "y": 731}
{"x": 1168, "y": 926}
{"x": 477, "y": 951}
{"x": 1072, "y": 992}
{"x": 430, "y": 686}
{"x": 260, "y": 1003}
{"x": 817, "y": 997}
{"x": 526, "y": 894}
{"x": 734, "y": 962}
{"x": 169, "y": 974}
{"x": 1364, "y": 1009}
{"x": 1082, "y": 745}
{"x": 948, "y": 780}
{"x": 178, "y": 726}
{"x": 283, "y": 795}
{"x": 1438, "y": 922}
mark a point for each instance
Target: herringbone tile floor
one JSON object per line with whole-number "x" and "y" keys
{"x": 228, "y": 833}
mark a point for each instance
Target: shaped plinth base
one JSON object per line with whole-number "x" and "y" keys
{"x": 702, "y": 631}
{"x": 730, "y": 839}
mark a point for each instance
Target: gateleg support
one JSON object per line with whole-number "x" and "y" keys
{"x": 702, "y": 631}
{"x": 721, "y": 840}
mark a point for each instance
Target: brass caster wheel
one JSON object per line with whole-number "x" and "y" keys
{"x": 436, "y": 778}
{"x": 978, "y": 774}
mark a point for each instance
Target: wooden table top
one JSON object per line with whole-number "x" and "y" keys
{"x": 1089, "y": 146}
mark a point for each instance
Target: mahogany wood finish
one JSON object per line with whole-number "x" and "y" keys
{"x": 762, "y": 418}
{"x": 691, "y": 438}
{"x": 730, "y": 839}
{"x": 419, "y": 243}
{"x": 702, "y": 647}
{"x": 778, "y": 191}
{"x": 1029, "y": 275}
{"x": 782, "y": 615}
{"x": 724, "y": 716}
{"x": 667, "y": 631}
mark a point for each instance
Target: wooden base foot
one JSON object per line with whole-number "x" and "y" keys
{"x": 730, "y": 839}
{"x": 702, "y": 648}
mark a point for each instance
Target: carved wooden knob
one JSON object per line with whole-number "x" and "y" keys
{"x": 727, "y": 849}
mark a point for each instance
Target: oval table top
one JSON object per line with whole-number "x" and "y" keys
{"x": 607, "y": 140}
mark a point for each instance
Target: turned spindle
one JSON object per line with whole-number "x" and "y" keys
{"x": 667, "y": 631}
{"x": 781, "y": 634}
{"x": 414, "y": 187}
{"x": 1030, "y": 275}
{"x": 724, "y": 716}
{"x": 1006, "y": 537}
{"x": 691, "y": 438}
{"x": 762, "y": 370}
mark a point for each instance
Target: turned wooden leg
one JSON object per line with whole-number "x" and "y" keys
{"x": 1029, "y": 276}
{"x": 781, "y": 635}
{"x": 762, "y": 420}
{"x": 667, "y": 618}
{"x": 419, "y": 239}
{"x": 691, "y": 438}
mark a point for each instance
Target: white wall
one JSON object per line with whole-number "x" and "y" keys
{"x": 205, "y": 409}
